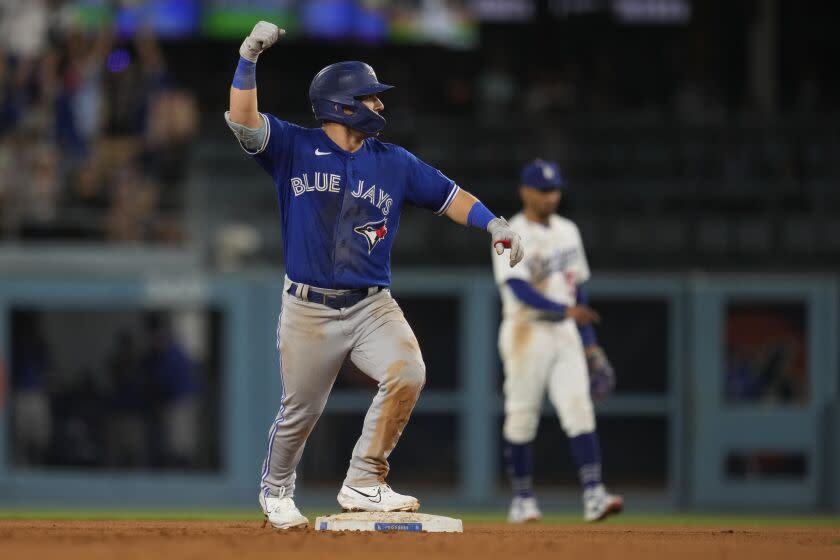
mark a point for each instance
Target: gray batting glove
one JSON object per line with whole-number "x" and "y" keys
{"x": 505, "y": 238}
{"x": 262, "y": 36}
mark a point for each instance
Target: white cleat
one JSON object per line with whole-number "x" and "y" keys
{"x": 524, "y": 510}
{"x": 598, "y": 503}
{"x": 281, "y": 512}
{"x": 375, "y": 498}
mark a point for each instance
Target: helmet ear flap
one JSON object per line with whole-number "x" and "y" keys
{"x": 354, "y": 115}
{"x": 342, "y": 109}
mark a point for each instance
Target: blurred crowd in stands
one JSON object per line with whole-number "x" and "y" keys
{"x": 96, "y": 135}
{"x": 679, "y": 87}
{"x": 140, "y": 408}
{"x": 93, "y": 132}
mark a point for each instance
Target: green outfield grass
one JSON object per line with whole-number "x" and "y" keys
{"x": 739, "y": 520}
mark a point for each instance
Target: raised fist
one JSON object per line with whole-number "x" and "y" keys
{"x": 262, "y": 36}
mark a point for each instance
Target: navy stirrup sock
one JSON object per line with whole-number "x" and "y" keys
{"x": 586, "y": 451}
{"x": 520, "y": 460}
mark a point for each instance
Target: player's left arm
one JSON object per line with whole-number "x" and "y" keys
{"x": 587, "y": 332}
{"x": 467, "y": 210}
{"x": 601, "y": 372}
{"x": 428, "y": 188}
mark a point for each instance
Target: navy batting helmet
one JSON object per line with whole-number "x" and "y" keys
{"x": 338, "y": 86}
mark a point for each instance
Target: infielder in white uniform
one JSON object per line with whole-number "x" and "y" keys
{"x": 547, "y": 342}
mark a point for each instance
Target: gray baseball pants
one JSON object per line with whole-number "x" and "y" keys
{"x": 314, "y": 341}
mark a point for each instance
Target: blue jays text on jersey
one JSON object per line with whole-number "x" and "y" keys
{"x": 323, "y": 182}
{"x": 339, "y": 211}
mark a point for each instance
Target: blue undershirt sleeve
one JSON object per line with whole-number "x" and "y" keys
{"x": 587, "y": 332}
{"x": 531, "y": 297}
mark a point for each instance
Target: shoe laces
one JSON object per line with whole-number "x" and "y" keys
{"x": 286, "y": 504}
{"x": 279, "y": 502}
{"x": 386, "y": 488}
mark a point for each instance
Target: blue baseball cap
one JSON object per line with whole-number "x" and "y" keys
{"x": 541, "y": 174}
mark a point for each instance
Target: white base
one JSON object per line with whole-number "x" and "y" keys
{"x": 389, "y": 521}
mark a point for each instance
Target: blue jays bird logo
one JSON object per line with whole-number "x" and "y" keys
{"x": 373, "y": 232}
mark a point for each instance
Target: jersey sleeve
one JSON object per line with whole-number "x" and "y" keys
{"x": 579, "y": 267}
{"x": 275, "y": 153}
{"x": 427, "y": 187}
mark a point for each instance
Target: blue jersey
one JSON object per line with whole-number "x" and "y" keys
{"x": 339, "y": 211}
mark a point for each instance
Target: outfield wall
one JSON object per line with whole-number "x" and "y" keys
{"x": 727, "y": 395}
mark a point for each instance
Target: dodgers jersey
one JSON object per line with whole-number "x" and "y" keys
{"x": 339, "y": 211}
{"x": 555, "y": 264}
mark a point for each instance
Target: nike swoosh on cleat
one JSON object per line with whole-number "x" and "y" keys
{"x": 318, "y": 152}
{"x": 371, "y": 497}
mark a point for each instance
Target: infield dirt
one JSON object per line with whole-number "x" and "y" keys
{"x": 209, "y": 540}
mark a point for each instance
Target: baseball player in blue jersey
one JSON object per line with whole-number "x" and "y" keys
{"x": 340, "y": 193}
{"x": 547, "y": 343}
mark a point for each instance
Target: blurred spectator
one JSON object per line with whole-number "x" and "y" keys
{"x": 91, "y": 131}
{"x": 83, "y": 202}
{"x": 128, "y": 425}
{"x": 31, "y": 412}
{"x": 79, "y": 102}
{"x": 174, "y": 384}
{"x": 37, "y": 199}
{"x": 23, "y": 26}
{"x": 553, "y": 92}
{"x": 173, "y": 121}
{"x": 497, "y": 88}
{"x": 135, "y": 72}
{"x": 133, "y": 201}
{"x": 80, "y": 420}
{"x": 130, "y": 401}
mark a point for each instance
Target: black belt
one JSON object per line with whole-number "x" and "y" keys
{"x": 345, "y": 299}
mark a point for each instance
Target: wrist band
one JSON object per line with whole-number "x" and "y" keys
{"x": 479, "y": 216}
{"x": 246, "y": 75}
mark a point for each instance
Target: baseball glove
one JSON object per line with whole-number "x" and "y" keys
{"x": 601, "y": 373}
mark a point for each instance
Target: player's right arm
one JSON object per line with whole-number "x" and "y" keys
{"x": 429, "y": 188}
{"x": 243, "y": 118}
{"x": 519, "y": 281}
{"x": 581, "y": 314}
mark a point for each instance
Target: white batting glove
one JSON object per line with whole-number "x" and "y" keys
{"x": 504, "y": 237}
{"x": 262, "y": 36}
